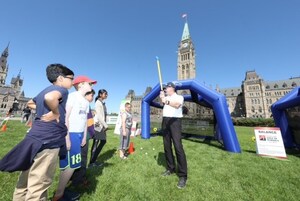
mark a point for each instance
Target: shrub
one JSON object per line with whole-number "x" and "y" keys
{"x": 252, "y": 122}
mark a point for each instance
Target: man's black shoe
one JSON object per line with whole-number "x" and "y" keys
{"x": 167, "y": 173}
{"x": 181, "y": 183}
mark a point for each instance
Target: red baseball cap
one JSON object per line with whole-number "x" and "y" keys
{"x": 82, "y": 78}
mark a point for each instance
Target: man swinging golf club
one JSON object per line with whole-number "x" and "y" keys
{"x": 171, "y": 128}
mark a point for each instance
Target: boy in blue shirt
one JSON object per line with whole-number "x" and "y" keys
{"x": 36, "y": 155}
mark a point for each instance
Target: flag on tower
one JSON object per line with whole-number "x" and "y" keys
{"x": 184, "y": 15}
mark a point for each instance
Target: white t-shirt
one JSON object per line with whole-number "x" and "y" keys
{"x": 169, "y": 111}
{"x": 78, "y": 115}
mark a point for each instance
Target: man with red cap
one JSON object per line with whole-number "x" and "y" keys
{"x": 77, "y": 108}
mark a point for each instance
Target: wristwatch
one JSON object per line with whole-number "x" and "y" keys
{"x": 167, "y": 102}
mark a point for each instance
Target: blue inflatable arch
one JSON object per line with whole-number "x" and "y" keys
{"x": 199, "y": 94}
{"x": 290, "y": 100}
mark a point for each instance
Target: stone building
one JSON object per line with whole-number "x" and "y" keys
{"x": 255, "y": 96}
{"x": 11, "y": 95}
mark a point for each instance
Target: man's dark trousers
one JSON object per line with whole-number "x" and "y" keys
{"x": 171, "y": 127}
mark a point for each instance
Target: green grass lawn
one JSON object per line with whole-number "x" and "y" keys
{"x": 214, "y": 174}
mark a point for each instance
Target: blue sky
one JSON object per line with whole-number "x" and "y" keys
{"x": 116, "y": 41}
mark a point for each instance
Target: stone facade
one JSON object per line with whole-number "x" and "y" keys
{"x": 255, "y": 96}
{"x": 186, "y": 58}
{"x": 11, "y": 95}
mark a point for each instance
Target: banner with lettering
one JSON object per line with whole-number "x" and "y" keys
{"x": 269, "y": 142}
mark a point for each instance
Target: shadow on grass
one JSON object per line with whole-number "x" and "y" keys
{"x": 206, "y": 140}
{"x": 94, "y": 172}
{"x": 160, "y": 159}
{"x": 249, "y": 151}
{"x": 289, "y": 151}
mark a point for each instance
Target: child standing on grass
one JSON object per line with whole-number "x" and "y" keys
{"x": 99, "y": 139}
{"x": 125, "y": 130}
{"x": 79, "y": 179}
{"x": 77, "y": 108}
{"x": 36, "y": 155}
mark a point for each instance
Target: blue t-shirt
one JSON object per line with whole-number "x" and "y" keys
{"x": 42, "y": 135}
{"x": 50, "y": 132}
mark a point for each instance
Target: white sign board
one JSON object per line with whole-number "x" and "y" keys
{"x": 269, "y": 142}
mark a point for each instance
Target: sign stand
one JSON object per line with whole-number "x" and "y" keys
{"x": 269, "y": 142}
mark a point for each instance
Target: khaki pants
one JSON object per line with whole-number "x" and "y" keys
{"x": 34, "y": 182}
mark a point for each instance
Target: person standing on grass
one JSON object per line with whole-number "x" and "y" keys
{"x": 77, "y": 108}
{"x": 171, "y": 128}
{"x": 99, "y": 139}
{"x": 79, "y": 179}
{"x": 125, "y": 130}
{"x": 26, "y": 114}
{"x": 36, "y": 155}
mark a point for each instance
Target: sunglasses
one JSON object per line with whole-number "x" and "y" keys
{"x": 71, "y": 78}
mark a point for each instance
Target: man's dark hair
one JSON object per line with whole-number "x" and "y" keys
{"x": 90, "y": 92}
{"x": 55, "y": 70}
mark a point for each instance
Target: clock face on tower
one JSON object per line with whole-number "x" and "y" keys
{"x": 185, "y": 45}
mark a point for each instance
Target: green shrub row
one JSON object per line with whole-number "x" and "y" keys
{"x": 254, "y": 122}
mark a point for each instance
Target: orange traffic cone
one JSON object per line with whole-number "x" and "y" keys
{"x": 3, "y": 128}
{"x": 29, "y": 124}
{"x": 131, "y": 148}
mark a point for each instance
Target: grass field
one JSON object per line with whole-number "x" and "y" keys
{"x": 214, "y": 174}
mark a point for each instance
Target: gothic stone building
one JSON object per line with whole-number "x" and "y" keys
{"x": 255, "y": 97}
{"x": 11, "y": 95}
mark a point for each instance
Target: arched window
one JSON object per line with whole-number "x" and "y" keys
{"x": 267, "y": 101}
{"x": 294, "y": 84}
{"x": 268, "y": 87}
{"x": 255, "y": 101}
{"x": 253, "y": 109}
{"x": 258, "y": 101}
{"x": 260, "y": 109}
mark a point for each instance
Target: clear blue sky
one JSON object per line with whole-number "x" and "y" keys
{"x": 116, "y": 41}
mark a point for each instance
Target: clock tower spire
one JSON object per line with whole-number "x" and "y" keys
{"x": 186, "y": 67}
